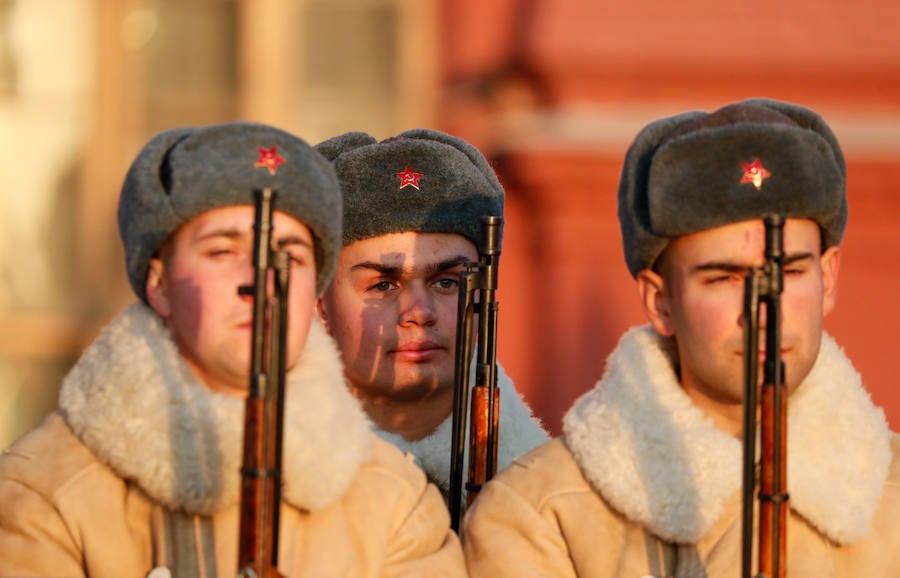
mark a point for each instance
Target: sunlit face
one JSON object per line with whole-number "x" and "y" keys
{"x": 392, "y": 309}
{"x": 697, "y": 297}
{"x": 194, "y": 288}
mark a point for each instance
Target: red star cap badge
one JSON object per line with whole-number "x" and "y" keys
{"x": 409, "y": 178}
{"x": 755, "y": 173}
{"x": 270, "y": 159}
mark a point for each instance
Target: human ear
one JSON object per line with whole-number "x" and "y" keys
{"x": 655, "y": 301}
{"x": 322, "y": 312}
{"x": 830, "y": 262}
{"x": 155, "y": 288}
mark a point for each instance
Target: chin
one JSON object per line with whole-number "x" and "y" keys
{"x": 415, "y": 388}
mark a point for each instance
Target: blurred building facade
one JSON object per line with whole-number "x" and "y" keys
{"x": 555, "y": 91}
{"x": 551, "y": 91}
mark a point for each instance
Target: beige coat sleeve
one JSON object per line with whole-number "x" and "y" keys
{"x": 34, "y": 541}
{"x": 424, "y": 544}
{"x": 408, "y": 531}
{"x": 62, "y": 513}
{"x": 504, "y": 535}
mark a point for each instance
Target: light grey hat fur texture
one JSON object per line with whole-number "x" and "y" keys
{"x": 184, "y": 172}
{"x": 421, "y": 180}
{"x": 696, "y": 171}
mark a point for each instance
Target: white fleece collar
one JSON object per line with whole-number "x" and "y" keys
{"x": 520, "y": 432}
{"x": 660, "y": 461}
{"x": 136, "y": 404}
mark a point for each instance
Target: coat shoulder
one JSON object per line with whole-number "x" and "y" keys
{"x": 545, "y": 473}
{"x": 391, "y": 497}
{"x": 393, "y": 475}
{"x": 392, "y": 462}
{"x": 48, "y": 458}
{"x": 893, "y": 478}
{"x": 884, "y": 533}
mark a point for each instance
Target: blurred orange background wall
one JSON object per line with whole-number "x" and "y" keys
{"x": 555, "y": 91}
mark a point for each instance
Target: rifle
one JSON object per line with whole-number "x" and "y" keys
{"x": 765, "y": 285}
{"x": 485, "y": 408}
{"x": 264, "y": 410}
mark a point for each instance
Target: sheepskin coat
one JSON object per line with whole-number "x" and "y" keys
{"x": 137, "y": 474}
{"x": 642, "y": 484}
{"x": 520, "y": 432}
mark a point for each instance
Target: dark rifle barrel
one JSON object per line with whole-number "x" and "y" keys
{"x": 485, "y": 403}
{"x": 465, "y": 311}
{"x": 261, "y": 469}
{"x": 765, "y": 286}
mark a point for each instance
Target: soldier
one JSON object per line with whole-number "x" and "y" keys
{"x": 137, "y": 473}
{"x": 412, "y": 218}
{"x": 646, "y": 479}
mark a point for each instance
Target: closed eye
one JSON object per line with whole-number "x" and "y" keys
{"x": 723, "y": 278}
{"x": 298, "y": 258}
{"x": 221, "y": 252}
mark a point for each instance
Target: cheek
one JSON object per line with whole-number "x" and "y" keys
{"x": 302, "y": 310}
{"x": 362, "y": 334}
{"x": 203, "y": 287}
{"x": 371, "y": 324}
{"x": 353, "y": 321}
{"x": 303, "y": 292}
{"x": 448, "y": 310}
{"x": 186, "y": 300}
{"x": 188, "y": 320}
{"x": 803, "y": 307}
{"x": 709, "y": 316}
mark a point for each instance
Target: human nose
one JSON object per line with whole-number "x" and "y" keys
{"x": 247, "y": 289}
{"x": 762, "y": 316}
{"x": 416, "y": 307}
{"x": 742, "y": 308}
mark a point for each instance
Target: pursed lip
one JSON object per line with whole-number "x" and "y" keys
{"x": 762, "y": 353}
{"x": 417, "y": 350}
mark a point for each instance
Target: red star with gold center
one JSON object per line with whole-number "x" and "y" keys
{"x": 409, "y": 178}
{"x": 755, "y": 173}
{"x": 270, "y": 159}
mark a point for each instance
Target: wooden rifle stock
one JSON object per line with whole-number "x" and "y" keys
{"x": 263, "y": 418}
{"x": 766, "y": 286}
{"x": 485, "y": 403}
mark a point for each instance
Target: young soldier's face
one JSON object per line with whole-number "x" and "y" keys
{"x": 698, "y": 298}
{"x": 392, "y": 310}
{"x": 194, "y": 287}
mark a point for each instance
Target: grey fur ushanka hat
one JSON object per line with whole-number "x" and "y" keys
{"x": 184, "y": 172}
{"x": 697, "y": 171}
{"x": 421, "y": 180}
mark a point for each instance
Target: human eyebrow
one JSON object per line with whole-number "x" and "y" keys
{"x": 731, "y": 267}
{"x": 446, "y": 265}
{"x": 396, "y": 271}
{"x": 231, "y": 233}
{"x": 797, "y": 257}
{"x": 291, "y": 241}
{"x": 381, "y": 268}
{"x": 721, "y": 266}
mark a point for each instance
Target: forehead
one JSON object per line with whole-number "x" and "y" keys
{"x": 239, "y": 219}
{"x": 409, "y": 249}
{"x": 740, "y": 243}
